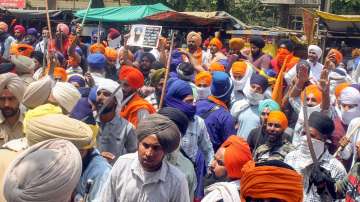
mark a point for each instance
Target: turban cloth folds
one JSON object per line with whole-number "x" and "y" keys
{"x": 163, "y": 128}
{"x": 132, "y": 75}
{"x": 271, "y": 182}
{"x": 47, "y": 171}
{"x": 237, "y": 154}
{"x": 203, "y": 77}
{"x": 14, "y": 84}
{"x": 278, "y": 117}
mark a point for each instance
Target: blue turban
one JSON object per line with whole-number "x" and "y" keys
{"x": 78, "y": 79}
{"x": 221, "y": 86}
{"x": 260, "y": 80}
{"x": 96, "y": 61}
{"x": 32, "y": 31}
{"x": 176, "y": 59}
{"x": 179, "y": 89}
{"x": 83, "y": 112}
{"x": 268, "y": 103}
{"x": 176, "y": 92}
{"x": 92, "y": 94}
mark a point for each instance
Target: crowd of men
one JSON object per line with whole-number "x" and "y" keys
{"x": 91, "y": 122}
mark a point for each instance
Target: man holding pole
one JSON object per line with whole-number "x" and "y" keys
{"x": 320, "y": 130}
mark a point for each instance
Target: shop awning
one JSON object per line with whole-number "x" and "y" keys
{"x": 340, "y": 23}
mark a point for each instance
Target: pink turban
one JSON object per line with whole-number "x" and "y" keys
{"x": 63, "y": 28}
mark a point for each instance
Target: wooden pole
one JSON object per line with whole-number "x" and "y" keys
{"x": 167, "y": 70}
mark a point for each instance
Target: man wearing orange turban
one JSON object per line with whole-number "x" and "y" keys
{"x": 193, "y": 41}
{"x": 276, "y": 147}
{"x": 134, "y": 107}
{"x": 21, "y": 49}
{"x": 203, "y": 81}
{"x": 236, "y": 44}
{"x": 215, "y": 51}
{"x": 284, "y": 57}
{"x": 335, "y": 56}
{"x": 229, "y": 160}
{"x": 59, "y": 73}
{"x": 216, "y": 67}
{"x": 97, "y": 48}
{"x": 270, "y": 180}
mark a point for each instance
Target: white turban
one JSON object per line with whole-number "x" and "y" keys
{"x": 14, "y": 84}
{"x": 47, "y": 171}
{"x": 316, "y": 49}
{"x": 111, "y": 86}
{"x": 66, "y": 95}
{"x": 350, "y": 95}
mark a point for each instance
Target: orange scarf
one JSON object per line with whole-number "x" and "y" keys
{"x": 130, "y": 110}
{"x": 284, "y": 56}
{"x": 217, "y": 101}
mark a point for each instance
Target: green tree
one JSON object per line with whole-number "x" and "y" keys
{"x": 345, "y": 7}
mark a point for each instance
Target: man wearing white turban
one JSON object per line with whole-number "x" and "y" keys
{"x": 66, "y": 95}
{"x": 12, "y": 90}
{"x": 47, "y": 171}
{"x": 117, "y": 135}
{"x": 314, "y": 55}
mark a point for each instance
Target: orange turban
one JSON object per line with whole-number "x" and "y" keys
{"x": 132, "y": 75}
{"x": 97, "y": 48}
{"x": 236, "y": 43}
{"x": 216, "y": 67}
{"x": 355, "y": 53}
{"x": 278, "y": 117}
{"x": 312, "y": 89}
{"x": 339, "y": 88}
{"x": 215, "y": 41}
{"x": 110, "y": 54}
{"x": 203, "y": 77}
{"x": 271, "y": 182}
{"x": 338, "y": 55}
{"x": 239, "y": 68}
{"x": 237, "y": 154}
{"x": 21, "y": 49}
{"x": 59, "y": 72}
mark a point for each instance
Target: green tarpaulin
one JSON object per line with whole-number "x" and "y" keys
{"x": 122, "y": 14}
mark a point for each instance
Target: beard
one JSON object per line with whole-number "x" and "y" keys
{"x": 106, "y": 110}
{"x": 9, "y": 112}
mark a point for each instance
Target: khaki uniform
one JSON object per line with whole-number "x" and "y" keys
{"x": 8, "y": 132}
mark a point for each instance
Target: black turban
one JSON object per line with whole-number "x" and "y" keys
{"x": 257, "y": 41}
{"x": 322, "y": 123}
{"x": 185, "y": 71}
{"x": 39, "y": 56}
{"x": 165, "y": 130}
{"x": 149, "y": 56}
{"x": 177, "y": 116}
{"x": 287, "y": 42}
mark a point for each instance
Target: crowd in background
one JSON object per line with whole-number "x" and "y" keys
{"x": 104, "y": 122}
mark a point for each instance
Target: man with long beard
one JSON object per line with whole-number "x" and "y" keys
{"x": 12, "y": 89}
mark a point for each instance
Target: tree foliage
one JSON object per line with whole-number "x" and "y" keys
{"x": 345, "y": 6}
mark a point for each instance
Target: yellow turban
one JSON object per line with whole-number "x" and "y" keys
{"x": 236, "y": 43}
{"x": 216, "y": 67}
{"x": 53, "y": 126}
